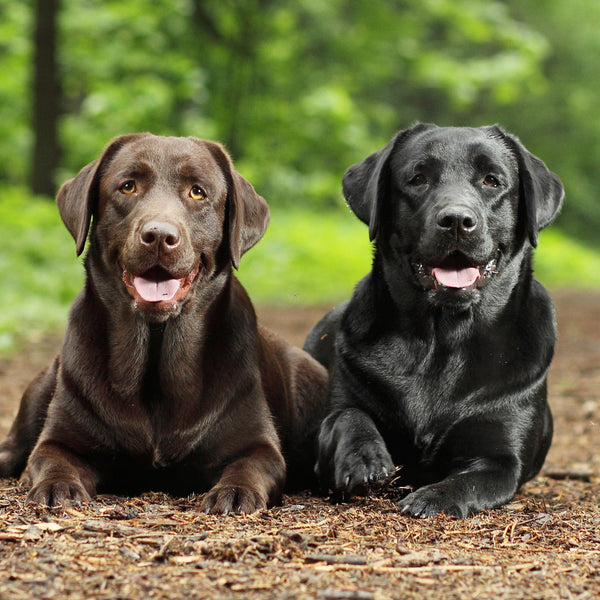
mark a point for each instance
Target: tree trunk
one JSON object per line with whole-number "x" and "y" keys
{"x": 46, "y": 99}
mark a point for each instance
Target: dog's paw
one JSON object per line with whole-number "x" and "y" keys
{"x": 232, "y": 499}
{"x": 58, "y": 493}
{"x": 7, "y": 461}
{"x": 429, "y": 501}
{"x": 362, "y": 467}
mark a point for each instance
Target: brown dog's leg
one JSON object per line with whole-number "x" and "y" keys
{"x": 59, "y": 477}
{"x": 250, "y": 483}
{"x": 26, "y": 428}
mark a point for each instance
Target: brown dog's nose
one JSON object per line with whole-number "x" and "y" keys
{"x": 457, "y": 220}
{"x": 156, "y": 235}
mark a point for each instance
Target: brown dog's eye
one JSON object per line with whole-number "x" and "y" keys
{"x": 128, "y": 187}
{"x": 418, "y": 179}
{"x": 491, "y": 181}
{"x": 197, "y": 193}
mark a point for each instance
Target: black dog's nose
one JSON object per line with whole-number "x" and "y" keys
{"x": 156, "y": 235}
{"x": 457, "y": 220}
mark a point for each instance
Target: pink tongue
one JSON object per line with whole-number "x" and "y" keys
{"x": 456, "y": 278}
{"x": 154, "y": 291}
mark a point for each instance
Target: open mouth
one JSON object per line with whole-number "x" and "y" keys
{"x": 157, "y": 288}
{"x": 456, "y": 271}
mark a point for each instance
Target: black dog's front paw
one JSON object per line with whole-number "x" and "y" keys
{"x": 429, "y": 501}
{"x": 352, "y": 452}
{"x": 362, "y": 466}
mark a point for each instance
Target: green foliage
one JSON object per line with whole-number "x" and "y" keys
{"x": 39, "y": 271}
{"x": 297, "y": 91}
{"x": 124, "y": 70}
{"x": 562, "y": 261}
{"x": 306, "y": 258}
{"x": 558, "y": 119}
{"x": 15, "y": 56}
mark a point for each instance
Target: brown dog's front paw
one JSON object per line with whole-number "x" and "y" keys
{"x": 9, "y": 463}
{"x": 233, "y": 499}
{"x": 58, "y": 493}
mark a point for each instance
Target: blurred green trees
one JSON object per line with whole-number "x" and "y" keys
{"x": 299, "y": 91}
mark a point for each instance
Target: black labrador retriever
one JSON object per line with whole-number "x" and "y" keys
{"x": 438, "y": 362}
{"x": 165, "y": 381}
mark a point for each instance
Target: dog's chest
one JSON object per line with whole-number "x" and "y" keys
{"x": 162, "y": 432}
{"x": 421, "y": 389}
{"x": 163, "y": 419}
{"x": 424, "y": 390}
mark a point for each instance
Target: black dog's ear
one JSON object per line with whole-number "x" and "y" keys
{"x": 247, "y": 212}
{"x": 365, "y": 184}
{"x": 77, "y": 198}
{"x": 541, "y": 190}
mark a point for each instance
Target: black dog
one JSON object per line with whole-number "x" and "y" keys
{"x": 441, "y": 355}
{"x": 165, "y": 381}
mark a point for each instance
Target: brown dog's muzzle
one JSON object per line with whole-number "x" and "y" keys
{"x": 158, "y": 269}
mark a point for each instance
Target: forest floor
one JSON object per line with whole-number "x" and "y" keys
{"x": 544, "y": 544}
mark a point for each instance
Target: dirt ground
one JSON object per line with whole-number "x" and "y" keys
{"x": 544, "y": 544}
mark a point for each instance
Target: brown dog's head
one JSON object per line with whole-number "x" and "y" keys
{"x": 165, "y": 212}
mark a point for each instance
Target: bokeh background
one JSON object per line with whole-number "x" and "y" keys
{"x": 297, "y": 91}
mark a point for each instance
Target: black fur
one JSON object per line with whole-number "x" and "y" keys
{"x": 447, "y": 382}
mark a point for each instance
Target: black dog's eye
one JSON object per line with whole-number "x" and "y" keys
{"x": 197, "y": 193}
{"x": 128, "y": 187}
{"x": 491, "y": 181}
{"x": 418, "y": 179}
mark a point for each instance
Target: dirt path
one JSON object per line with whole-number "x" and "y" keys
{"x": 545, "y": 544}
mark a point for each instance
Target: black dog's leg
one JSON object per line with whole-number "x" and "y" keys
{"x": 485, "y": 484}
{"x": 484, "y": 462}
{"x": 352, "y": 452}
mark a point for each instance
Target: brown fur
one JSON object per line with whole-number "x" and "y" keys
{"x": 181, "y": 396}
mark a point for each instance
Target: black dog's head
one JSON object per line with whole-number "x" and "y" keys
{"x": 166, "y": 213}
{"x": 453, "y": 209}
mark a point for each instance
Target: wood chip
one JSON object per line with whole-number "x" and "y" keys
{"x": 335, "y": 559}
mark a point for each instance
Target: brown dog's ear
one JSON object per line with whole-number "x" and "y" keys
{"x": 77, "y": 198}
{"x": 541, "y": 190}
{"x": 366, "y": 184}
{"x": 247, "y": 212}
{"x": 248, "y": 217}
{"x": 75, "y": 202}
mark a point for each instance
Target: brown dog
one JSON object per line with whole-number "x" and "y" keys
{"x": 165, "y": 381}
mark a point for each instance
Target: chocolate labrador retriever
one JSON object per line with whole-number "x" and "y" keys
{"x": 165, "y": 381}
{"x": 438, "y": 362}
